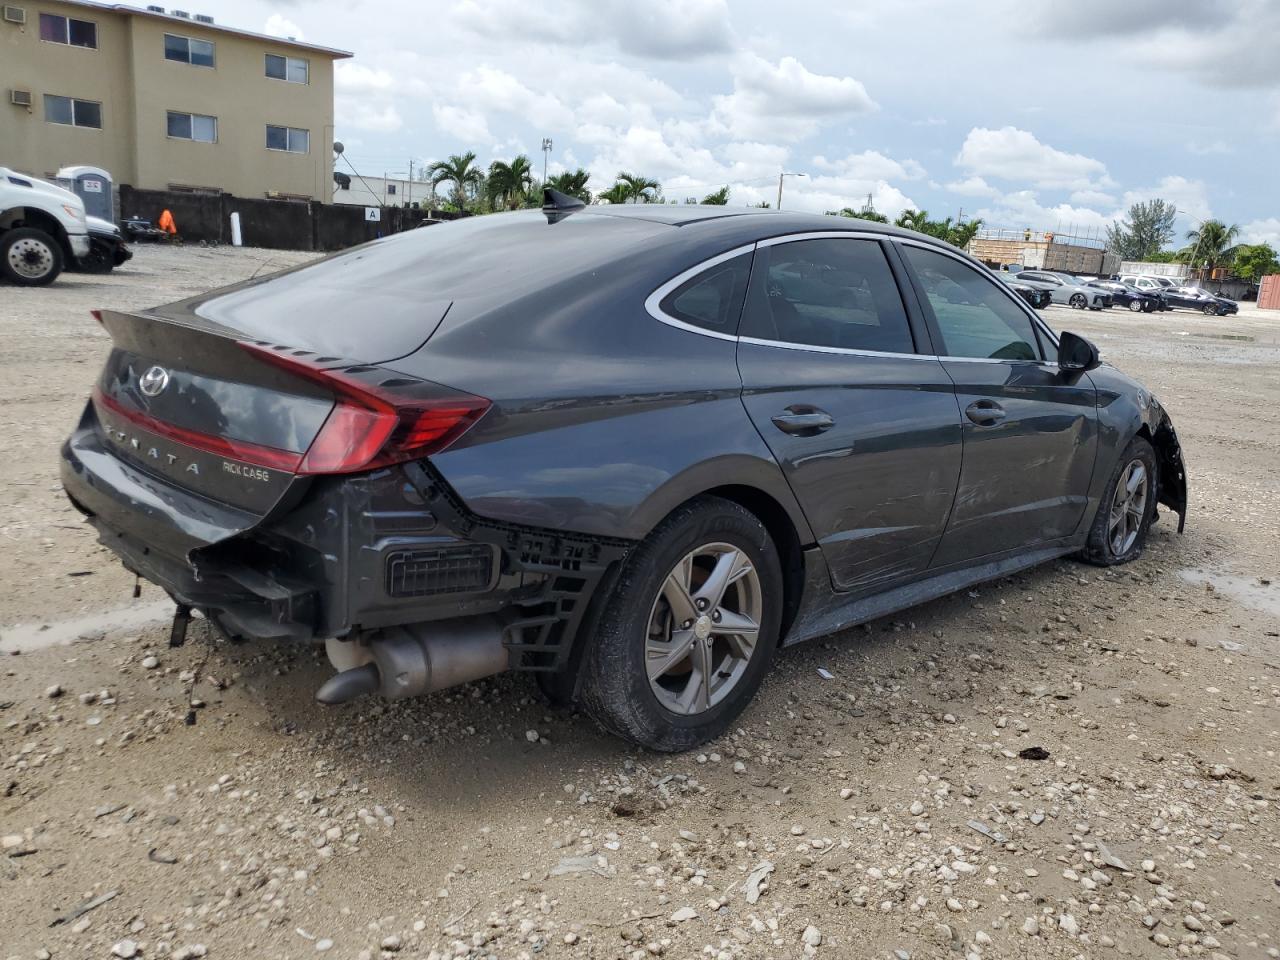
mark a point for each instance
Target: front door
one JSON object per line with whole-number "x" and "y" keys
{"x": 865, "y": 426}
{"x": 1030, "y": 432}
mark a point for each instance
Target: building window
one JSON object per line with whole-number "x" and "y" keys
{"x": 72, "y": 112}
{"x": 288, "y": 138}
{"x": 391, "y": 189}
{"x": 292, "y": 69}
{"x": 198, "y": 53}
{"x": 192, "y": 126}
{"x": 68, "y": 30}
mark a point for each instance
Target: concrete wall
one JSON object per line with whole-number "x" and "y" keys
{"x": 276, "y": 224}
{"x": 129, "y": 75}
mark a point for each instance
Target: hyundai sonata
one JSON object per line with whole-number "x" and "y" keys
{"x": 630, "y": 449}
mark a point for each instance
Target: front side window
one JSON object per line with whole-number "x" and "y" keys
{"x": 974, "y": 315}
{"x": 292, "y": 69}
{"x": 68, "y": 30}
{"x": 73, "y": 112}
{"x": 827, "y": 293}
{"x": 713, "y": 299}
{"x": 198, "y": 53}
{"x": 192, "y": 126}
{"x": 290, "y": 139}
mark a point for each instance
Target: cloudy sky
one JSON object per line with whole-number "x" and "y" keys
{"x": 1037, "y": 113}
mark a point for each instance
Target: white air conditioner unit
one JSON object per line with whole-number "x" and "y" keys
{"x": 20, "y": 98}
{"x": 15, "y": 15}
{"x": 203, "y": 18}
{"x": 181, "y": 13}
{"x": 155, "y": 9}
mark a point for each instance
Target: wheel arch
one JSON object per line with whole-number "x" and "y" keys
{"x": 39, "y": 219}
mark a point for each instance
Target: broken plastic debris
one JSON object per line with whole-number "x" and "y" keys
{"x": 826, "y": 674}
{"x": 755, "y": 878}
{"x": 987, "y": 832}
{"x": 1109, "y": 858}
{"x": 597, "y": 865}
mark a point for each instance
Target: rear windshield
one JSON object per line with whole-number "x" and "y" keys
{"x": 382, "y": 300}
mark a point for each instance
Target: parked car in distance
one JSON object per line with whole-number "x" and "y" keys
{"x": 1067, "y": 290}
{"x": 42, "y": 229}
{"x": 631, "y": 449}
{"x": 1035, "y": 294}
{"x": 1124, "y": 295}
{"x": 1187, "y": 297}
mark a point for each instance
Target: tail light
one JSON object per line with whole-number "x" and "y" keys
{"x": 371, "y": 427}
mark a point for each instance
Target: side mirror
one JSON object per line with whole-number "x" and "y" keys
{"x": 1076, "y": 354}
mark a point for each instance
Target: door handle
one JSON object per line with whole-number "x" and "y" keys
{"x": 804, "y": 421}
{"x": 985, "y": 413}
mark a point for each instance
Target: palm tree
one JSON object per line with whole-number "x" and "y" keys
{"x": 718, "y": 199}
{"x": 962, "y": 234}
{"x": 912, "y": 219}
{"x": 1212, "y": 246}
{"x": 572, "y": 183}
{"x": 509, "y": 182}
{"x": 618, "y": 193}
{"x": 863, "y": 214}
{"x": 460, "y": 170}
{"x": 639, "y": 189}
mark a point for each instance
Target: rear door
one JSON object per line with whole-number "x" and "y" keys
{"x": 1030, "y": 433}
{"x": 841, "y": 383}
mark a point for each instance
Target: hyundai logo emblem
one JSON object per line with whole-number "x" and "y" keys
{"x": 153, "y": 382}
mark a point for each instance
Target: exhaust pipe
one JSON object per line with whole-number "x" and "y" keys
{"x": 415, "y": 659}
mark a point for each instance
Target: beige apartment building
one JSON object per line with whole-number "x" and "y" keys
{"x": 164, "y": 100}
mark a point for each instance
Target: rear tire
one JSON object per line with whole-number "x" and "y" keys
{"x": 1127, "y": 510}
{"x": 30, "y": 257}
{"x": 665, "y": 670}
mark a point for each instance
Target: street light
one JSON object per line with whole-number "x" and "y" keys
{"x": 780, "y": 178}
{"x": 546, "y": 152}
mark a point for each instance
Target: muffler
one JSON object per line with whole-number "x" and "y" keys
{"x": 419, "y": 658}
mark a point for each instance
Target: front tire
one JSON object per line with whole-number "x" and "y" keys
{"x": 30, "y": 257}
{"x": 1078, "y": 301}
{"x": 1127, "y": 510}
{"x": 1210, "y": 309}
{"x": 1136, "y": 306}
{"x": 689, "y": 631}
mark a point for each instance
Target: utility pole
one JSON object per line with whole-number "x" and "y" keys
{"x": 546, "y": 152}
{"x": 409, "y": 201}
{"x": 780, "y": 178}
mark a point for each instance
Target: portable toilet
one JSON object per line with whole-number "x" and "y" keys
{"x": 94, "y": 186}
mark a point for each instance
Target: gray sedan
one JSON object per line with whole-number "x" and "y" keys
{"x": 1066, "y": 289}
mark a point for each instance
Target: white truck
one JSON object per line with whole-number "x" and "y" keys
{"x": 42, "y": 229}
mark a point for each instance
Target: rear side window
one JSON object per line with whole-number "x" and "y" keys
{"x": 827, "y": 293}
{"x": 712, "y": 300}
{"x": 975, "y": 316}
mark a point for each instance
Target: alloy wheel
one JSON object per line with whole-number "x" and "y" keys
{"x": 1128, "y": 507}
{"x": 1078, "y": 301}
{"x": 1135, "y": 305}
{"x": 30, "y": 258}
{"x": 703, "y": 628}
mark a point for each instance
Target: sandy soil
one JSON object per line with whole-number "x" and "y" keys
{"x": 1067, "y": 763}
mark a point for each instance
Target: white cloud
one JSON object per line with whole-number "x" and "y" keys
{"x": 972, "y": 187}
{"x": 495, "y": 91}
{"x": 870, "y": 165}
{"x": 1211, "y": 148}
{"x": 786, "y": 100}
{"x": 1013, "y": 154}
{"x": 279, "y": 26}
{"x": 466, "y": 125}
{"x": 1262, "y": 231}
{"x": 1022, "y": 208}
{"x": 1092, "y": 198}
{"x": 1191, "y": 197}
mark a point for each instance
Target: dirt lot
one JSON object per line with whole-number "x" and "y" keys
{"x": 1067, "y": 763}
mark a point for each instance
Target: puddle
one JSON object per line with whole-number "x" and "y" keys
{"x": 25, "y": 637}
{"x": 1246, "y": 590}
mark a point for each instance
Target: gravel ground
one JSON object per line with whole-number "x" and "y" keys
{"x": 1067, "y": 763}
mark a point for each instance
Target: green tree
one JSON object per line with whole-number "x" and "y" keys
{"x": 639, "y": 188}
{"x": 1212, "y": 245}
{"x": 863, "y": 214}
{"x": 912, "y": 219}
{"x": 572, "y": 183}
{"x": 962, "y": 234}
{"x": 461, "y": 171}
{"x": 1145, "y": 230}
{"x": 956, "y": 234}
{"x": 717, "y": 199}
{"x": 509, "y": 183}
{"x": 618, "y": 193}
{"x": 1253, "y": 261}
{"x": 762, "y": 205}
